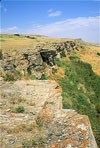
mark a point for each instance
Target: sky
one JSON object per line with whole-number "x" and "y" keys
{"x": 64, "y": 19}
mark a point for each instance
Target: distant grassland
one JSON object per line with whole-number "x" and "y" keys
{"x": 22, "y": 41}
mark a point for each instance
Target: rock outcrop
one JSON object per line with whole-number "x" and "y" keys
{"x": 28, "y": 60}
{"x": 41, "y": 100}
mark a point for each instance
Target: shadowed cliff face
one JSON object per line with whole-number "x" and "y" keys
{"x": 43, "y": 116}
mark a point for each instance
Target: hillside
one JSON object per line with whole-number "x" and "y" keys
{"x": 74, "y": 65}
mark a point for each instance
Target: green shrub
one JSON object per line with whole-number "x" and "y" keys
{"x": 74, "y": 58}
{"x": 9, "y": 77}
{"x": 30, "y": 37}
{"x": 98, "y": 108}
{"x": 59, "y": 62}
{"x": 44, "y": 77}
{"x": 2, "y": 40}
{"x": 41, "y": 140}
{"x": 17, "y": 34}
{"x": 39, "y": 122}
{"x": 98, "y": 53}
{"x": 33, "y": 77}
{"x": 20, "y": 109}
{"x": 62, "y": 54}
{"x": 0, "y": 54}
{"x": 54, "y": 70}
{"x": 17, "y": 72}
{"x": 34, "y": 143}
{"x": 44, "y": 65}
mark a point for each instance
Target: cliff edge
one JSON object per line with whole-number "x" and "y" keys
{"x": 42, "y": 123}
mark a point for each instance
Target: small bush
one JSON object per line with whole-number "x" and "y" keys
{"x": 44, "y": 77}
{"x": 39, "y": 122}
{"x": 0, "y": 54}
{"x": 41, "y": 140}
{"x": 33, "y": 77}
{"x": 98, "y": 53}
{"x": 34, "y": 143}
{"x": 30, "y": 37}
{"x": 98, "y": 108}
{"x": 73, "y": 58}
{"x": 54, "y": 70}
{"x": 18, "y": 72}
{"x": 20, "y": 109}
{"x": 9, "y": 77}
{"x": 44, "y": 65}
{"x": 59, "y": 62}
{"x": 62, "y": 54}
{"x": 17, "y": 34}
{"x": 2, "y": 40}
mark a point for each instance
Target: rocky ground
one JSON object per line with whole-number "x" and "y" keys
{"x": 43, "y": 123}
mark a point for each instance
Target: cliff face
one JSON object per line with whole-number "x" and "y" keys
{"x": 44, "y": 121}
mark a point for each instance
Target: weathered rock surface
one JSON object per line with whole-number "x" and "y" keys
{"x": 70, "y": 130}
{"x": 28, "y": 60}
{"x": 64, "y": 128}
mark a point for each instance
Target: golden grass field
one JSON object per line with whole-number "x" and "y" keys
{"x": 10, "y": 43}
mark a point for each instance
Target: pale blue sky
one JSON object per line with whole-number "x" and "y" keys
{"x": 70, "y": 19}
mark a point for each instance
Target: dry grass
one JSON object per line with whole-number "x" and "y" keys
{"x": 44, "y": 117}
{"x": 15, "y": 44}
{"x": 22, "y": 127}
{"x": 89, "y": 55}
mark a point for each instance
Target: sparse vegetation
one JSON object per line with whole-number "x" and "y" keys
{"x": 37, "y": 142}
{"x": 33, "y": 77}
{"x": 34, "y": 143}
{"x": 2, "y": 40}
{"x": 54, "y": 70}
{"x": 62, "y": 54}
{"x": 39, "y": 122}
{"x": 98, "y": 53}
{"x": 30, "y": 37}
{"x": 20, "y": 109}
{"x": 44, "y": 77}
{"x": 17, "y": 34}
{"x": 9, "y": 77}
{"x": 0, "y": 54}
